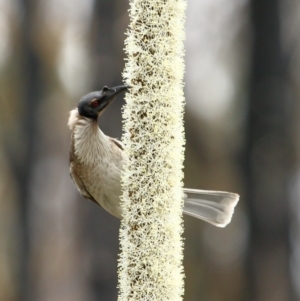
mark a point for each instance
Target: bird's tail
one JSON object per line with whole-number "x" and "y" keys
{"x": 215, "y": 207}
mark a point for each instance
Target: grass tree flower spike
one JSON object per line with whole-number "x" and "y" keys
{"x": 150, "y": 263}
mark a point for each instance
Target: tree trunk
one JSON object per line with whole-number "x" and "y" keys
{"x": 268, "y": 160}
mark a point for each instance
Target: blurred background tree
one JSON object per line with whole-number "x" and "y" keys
{"x": 242, "y": 91}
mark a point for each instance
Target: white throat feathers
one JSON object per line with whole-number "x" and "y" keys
{"x": 90, "y": 143}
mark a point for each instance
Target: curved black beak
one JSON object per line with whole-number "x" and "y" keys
{"x": 109, "y": 95}
{"x": 114, "y": 91}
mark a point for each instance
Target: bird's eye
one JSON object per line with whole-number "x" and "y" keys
{"x": 95, "y": 103}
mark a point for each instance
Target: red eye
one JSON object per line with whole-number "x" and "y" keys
{"x": 95, "y": 103}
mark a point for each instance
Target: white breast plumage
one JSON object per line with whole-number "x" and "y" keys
{"x": 96, "y": 163}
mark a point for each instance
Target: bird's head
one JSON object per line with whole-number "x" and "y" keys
{"x": 94, "y": 103}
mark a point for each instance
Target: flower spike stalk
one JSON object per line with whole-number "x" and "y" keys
{"x": 150, "y": 263}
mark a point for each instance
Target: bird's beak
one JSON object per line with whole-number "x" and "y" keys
{"x": 110, "y": 94}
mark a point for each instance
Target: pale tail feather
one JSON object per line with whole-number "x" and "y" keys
{"x": 215, "y": 207}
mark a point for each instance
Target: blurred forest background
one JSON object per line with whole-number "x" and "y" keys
{"x": 242, "y": 129}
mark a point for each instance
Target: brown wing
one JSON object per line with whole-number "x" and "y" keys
{"x": 76, "y": 180}
{"x": 117, "y": 143}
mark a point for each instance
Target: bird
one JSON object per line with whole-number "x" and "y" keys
{"x": 96, "y": 162}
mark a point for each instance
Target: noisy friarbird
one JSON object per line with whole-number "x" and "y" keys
{"x": 96, "y": 162}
